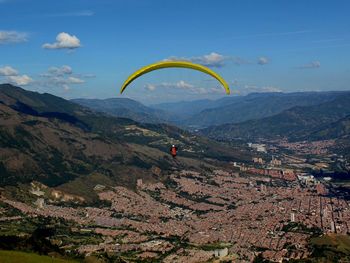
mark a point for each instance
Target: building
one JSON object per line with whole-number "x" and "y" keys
{"x": 325, "y": 212}
{"x": 292, "y": 217}
{"x": 243, "y": 168}
{"x": 321, "y": 189}
{"x": 286, "y": 174}
{"x": 333, "y": 229}
{"x": 222, "y": 252}
{"x": 139, "y": 182}
{"x": 262, "y": 188}
{"x": 99, "y": 187}
{"x": 260, "y": 148}
{"x": 39, "y": 203}
{"x": 257, "y": 147}
{"x": 258, "y": 160}
{"x": 307, "y": 179}
{"x": 275, "y": 162}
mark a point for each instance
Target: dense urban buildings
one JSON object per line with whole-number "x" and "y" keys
{"x": 223, "y": 214}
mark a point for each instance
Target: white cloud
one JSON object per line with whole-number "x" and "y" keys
{"x": 150, "y": 87}
{"x": 183, "y": 85}
{"x": 242, "y": 87}
{"x": 20, "y": 80}
{"x": 60, "y": 71}
{"x": 7, "y": 37}
{"x": 211, "y": 60}
{"x": 270, "y": 89}
{"x": 246, "y": 89}
{"x": 263, "y": 60}
{"x": 66, "y": 87}
{"x": 8, "y": 71}
{"x": 313, "y": 64}
{"x": 61, "y": 77}
{"x": 180, "y": 85}
{"x": 12, "y": 76}
{"x": 217, "y": 60}
{"x": 75, "y": 80}
{"x": 209, "y": 91}
{"x": 64, "y": 41}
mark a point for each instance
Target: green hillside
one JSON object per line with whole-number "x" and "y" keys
{"x": 48, "y": 139}
{"x": 26, "y": 257}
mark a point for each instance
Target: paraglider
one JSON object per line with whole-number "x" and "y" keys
{"x": 174, "y": 64}
{"x": 173, "y": 151}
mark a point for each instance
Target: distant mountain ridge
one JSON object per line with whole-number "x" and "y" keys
{"x": 205, "y": 113}
{"x": 186, "y": 109}
{"x": 324, "y": 121}
{"x": 126, "y": 108}
{"x": 257, "y": 106}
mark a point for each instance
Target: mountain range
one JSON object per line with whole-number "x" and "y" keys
{"x": 295, "y": 116}
{"x": 256, "y": 106}
{"x": 64, "y": 145}
{"x": 328, "y": 120}
{"x": 205, "y": 113}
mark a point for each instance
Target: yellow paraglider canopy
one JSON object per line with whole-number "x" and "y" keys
{"x": 174, "y": 64}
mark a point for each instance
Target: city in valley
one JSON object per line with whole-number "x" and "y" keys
{"x": 266, "y": 208}
{"x": 174, "y": 131}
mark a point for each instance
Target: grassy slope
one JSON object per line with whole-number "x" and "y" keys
{"x": 24, "y": 257}
{"x": 332, "y": 242}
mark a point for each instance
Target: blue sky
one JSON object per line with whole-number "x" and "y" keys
{"x": 257, "y": 46}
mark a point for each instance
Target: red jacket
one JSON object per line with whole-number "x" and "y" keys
{"x": 173, "y": 150}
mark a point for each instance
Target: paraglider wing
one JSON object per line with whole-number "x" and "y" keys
{"x": 174, "y": 64}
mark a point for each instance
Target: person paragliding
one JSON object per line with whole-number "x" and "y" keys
{"x": 174, "y": 64}
{"x": 173, "y": 151}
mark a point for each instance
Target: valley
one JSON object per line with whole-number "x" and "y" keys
{"x": 82, "y": 185}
